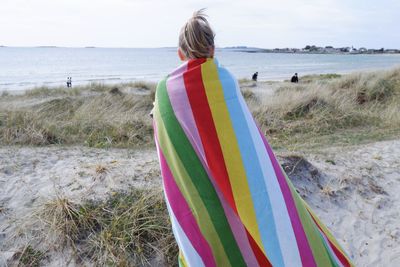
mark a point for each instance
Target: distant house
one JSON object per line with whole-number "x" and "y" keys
{"x": 353, "y": 50}
{"x": 345, "y": 49}
{"x": 310, "y": 48}
{"x": 362, "y": 49}
{"x": 330, "y": 49}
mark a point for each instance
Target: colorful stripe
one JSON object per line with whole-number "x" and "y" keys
{"x": 230, "y": 202}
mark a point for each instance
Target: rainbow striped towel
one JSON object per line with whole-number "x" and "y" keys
{"x": 229, "y": 200}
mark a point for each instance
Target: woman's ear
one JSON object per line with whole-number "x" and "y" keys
{"x": 181, "y": 55}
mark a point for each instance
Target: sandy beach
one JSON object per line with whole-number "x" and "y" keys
{"x": 357, "y": 199}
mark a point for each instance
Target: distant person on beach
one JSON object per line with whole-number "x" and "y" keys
{"x": 230, "y": 203}
{"x": 255, "y": 76}
{"x": 295, "y": 78}
{"x": 69, "y": 81}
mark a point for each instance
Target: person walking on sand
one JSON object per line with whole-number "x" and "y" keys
{"x": 295, "y": 78}
{"x": 69, "y": 82}
{"x": 229, "y": 201}
{"x": 255, "y": 76}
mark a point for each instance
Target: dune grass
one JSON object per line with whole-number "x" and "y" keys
{"x": 97, "y": 116}
{"x": 319, "y": 77}
{"x": 342, "y": 109}
{"x": 29, "y": 256}
{"x": 348, "y": 109}
{"x": 129, "y": 228}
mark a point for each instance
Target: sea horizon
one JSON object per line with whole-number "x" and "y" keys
{"x": 23, "y": 68}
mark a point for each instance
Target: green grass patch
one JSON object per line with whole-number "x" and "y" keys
{"x": 29, "y": 257}
{"x": 129, "y": 228}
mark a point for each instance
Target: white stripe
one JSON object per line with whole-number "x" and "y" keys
{"x": 285, "y": 233}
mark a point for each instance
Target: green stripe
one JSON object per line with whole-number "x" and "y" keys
{"x": 327, "y": 233}
{"x": 322, "y": 257}
{"x": 193, "y": 180}
{"x": 331, "y": 257}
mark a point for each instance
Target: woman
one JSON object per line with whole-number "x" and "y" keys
{"x": 230, "y": 202}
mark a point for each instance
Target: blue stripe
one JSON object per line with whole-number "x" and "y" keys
{"x": 253, "y": 170}
{"x": 285, "y": 233}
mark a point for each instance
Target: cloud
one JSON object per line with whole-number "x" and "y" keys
{"x": 154, "y": 23}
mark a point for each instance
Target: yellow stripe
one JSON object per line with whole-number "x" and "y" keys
{"x": 230, "y": 150}
{"x": 187, "y": 189}
{"x": 182, "y": 260}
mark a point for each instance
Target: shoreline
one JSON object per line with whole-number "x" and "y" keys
{"x": 118, "y": 81}
{"x": 311, "y": 50}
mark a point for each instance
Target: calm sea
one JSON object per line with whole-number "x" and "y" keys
{"x": 23, "y": 68}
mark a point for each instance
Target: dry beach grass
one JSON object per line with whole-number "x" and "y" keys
{"x": 331, "y": 109}
{"x": 96, "y": 115}
{"x": 322, "y": 107}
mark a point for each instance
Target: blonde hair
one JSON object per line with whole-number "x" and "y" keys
{"x": 196, "y": 39}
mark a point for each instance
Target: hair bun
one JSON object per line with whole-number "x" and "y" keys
{"x": 196, "y": 39}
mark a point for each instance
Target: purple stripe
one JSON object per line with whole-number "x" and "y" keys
{"x": 306, "y": 255}
{"x": 184, "y": 214}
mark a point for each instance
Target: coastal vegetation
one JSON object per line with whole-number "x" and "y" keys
{"x": 129, "y": 228}
{"x": 320, "y": 109}
{"x": 331, "y": 109}
{"x": 95, "y": 115}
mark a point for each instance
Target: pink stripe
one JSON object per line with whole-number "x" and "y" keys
{"x": 184, "y": 214}
{"x": 306, "y": 255}
{"x": 183, "y": 112}
{"x": 179, "y": 70}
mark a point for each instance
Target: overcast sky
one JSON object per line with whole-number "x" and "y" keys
{"x": 156, "y": 23}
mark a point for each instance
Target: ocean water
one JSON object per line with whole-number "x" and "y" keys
{"x": 24, "y": 68}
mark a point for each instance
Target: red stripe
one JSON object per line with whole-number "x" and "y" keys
{"x": 205, "y": 125}
{"x": 261, "y": 258}
{"x": 338, "y": 253}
